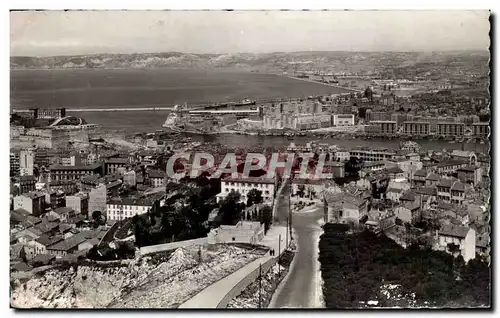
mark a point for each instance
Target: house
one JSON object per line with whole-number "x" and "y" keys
{"x": 48, "y": 228}
{"x": 32, "y": 202}
{"x": 444, "y": 189}
{"x": 345, "y": 207}
{"x": 419, "y": 178}
{"x": 394, "y": 194}
{"x": 39, "y": 246}
{"x": 65, "y": 213}
{"x": 463, "y": 237}
{"x": 408, "y": 212}
{"x": 432, "y": 179}
{"x": 470, "y": 175}
{"x": 458, "y": 192}
{"x": 394, "y": 173}
{"x": 429, "y": 195}
{"x": 156, "y": 178}
{"x": 67, "y": 246}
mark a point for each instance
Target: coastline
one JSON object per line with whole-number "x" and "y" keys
{"x": 325, "y": 84}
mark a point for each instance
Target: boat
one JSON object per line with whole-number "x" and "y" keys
{"x": 245, "y": 102}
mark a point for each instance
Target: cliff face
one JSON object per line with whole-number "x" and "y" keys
{"x": 129, "y": 285}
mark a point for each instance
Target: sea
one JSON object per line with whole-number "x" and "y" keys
{"x": 140, "y": 88}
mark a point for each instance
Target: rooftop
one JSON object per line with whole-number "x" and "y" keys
{"x": 451, "y": 162}
{"x": 458, "y": 186}
{"x": 468, "y": 169}
{"x": 446, "y": 183}
{"x": 250, "y": 180}
{"x": 427, "y": 191}
{"x": 63, "y": 210}
{"x": 454, "y": 231}
{"x": 77, "y": 167}
{"x": 421, "y": 173}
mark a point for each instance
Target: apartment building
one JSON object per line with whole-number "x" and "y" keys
{"x": 244, "y": 185}
{"x": 372, "y": 154}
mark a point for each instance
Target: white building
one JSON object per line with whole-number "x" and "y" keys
{"x": 463, "y": 237}
{"x": 78, "y": 202}
{"x": 130, "y": 178}
{"x": 26, "y": 161}
{"x": 117, "y": 210}
{"x": 244, "y": 185}
{"x": 367, "y": 154}
{"x": 97, "y": 199}
{"x": 343, "y": 120}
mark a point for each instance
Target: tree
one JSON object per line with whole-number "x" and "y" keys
{"x": 98, "y": 218}
{"x": 230, "y": 209}
{"x": 266, "y": 217}
{"x": 254, "y": 196}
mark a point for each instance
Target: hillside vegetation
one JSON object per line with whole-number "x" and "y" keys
{"x": 364, "y": 267}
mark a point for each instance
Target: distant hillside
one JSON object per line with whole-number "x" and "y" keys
{"x": 352, "y": 62}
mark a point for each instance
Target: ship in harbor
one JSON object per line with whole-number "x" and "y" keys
{"x": 244, "y": 102}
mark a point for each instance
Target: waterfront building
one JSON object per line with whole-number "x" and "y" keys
{"x": 367, "y": 154}
{"x": 343, "y": 120}
{"x": 410, "y": 146}
{"x": 382, "y": 127}
{"x": 481, "y": 130}
{"x": 416, "y": 128}
{"x": 448, "y": 129}
{"x": 244, "y": 185}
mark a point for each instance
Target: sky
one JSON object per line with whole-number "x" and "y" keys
{"x": 47, "y": 33}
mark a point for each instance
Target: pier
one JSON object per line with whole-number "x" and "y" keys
{"x": 195, "y": 107}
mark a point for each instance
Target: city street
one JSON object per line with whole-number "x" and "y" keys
{"x": 300, "y": 288}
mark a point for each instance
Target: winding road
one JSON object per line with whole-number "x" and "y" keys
{"x": 301, "y": 288}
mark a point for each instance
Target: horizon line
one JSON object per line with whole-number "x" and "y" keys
{"x": 258, "y": 53}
